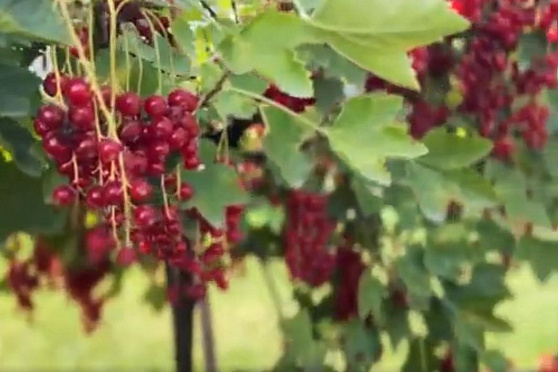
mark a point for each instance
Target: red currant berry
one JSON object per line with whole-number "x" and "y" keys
{"x": 161, "y": 128}
{"x": 63, "y": 196}
{"x": 40, "y": 128}
{"x": 51, "y": 115}
{"x": 140, "y": 190}
{"x": 109, "y": 150}
{"x": 183, "y": 98}
{"x": 82, "y": 117}
{"x": 126, "y": 256}
{"x": 155, "y": 106}
{"x": 130, "y": 132}
{"x": 57, "y": 151}
{"x": 87, "y": 149}
{"x": 78, "y": 92}
{"x": 94, "y": 198}
{"x": 112, "y": 193}
{"x": 128, "y": 104}
{"x": 178, "y": 139}
{"x": 145, "y": 216}
{"x": 50, "y": 84}
{"x": 186, "y": 191}
{"x": 192, "y": 163}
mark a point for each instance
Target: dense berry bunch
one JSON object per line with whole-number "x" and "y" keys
{"x": 349, "y": 268}
{"x": 119, "y": 168}
{"x": 306, "y": 237}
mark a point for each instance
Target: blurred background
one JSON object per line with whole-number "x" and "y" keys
{"x": 134, "y": 337}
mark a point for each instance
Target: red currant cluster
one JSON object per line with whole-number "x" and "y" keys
{"x": 293, "y": 103}
{"x": 349, "y": 269}
{"x": 120, "y": 172}
{"x": 306, "y": 237}
{"x": 46, "y": 267}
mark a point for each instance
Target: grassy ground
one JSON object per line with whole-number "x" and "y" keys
{"x": 134, "y": 338}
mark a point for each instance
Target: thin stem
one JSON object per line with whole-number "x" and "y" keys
{"x": 235, "y": 11}
{"x": 216, "y": 89}
{"x": 208, "y": 8}
{"x": 301, "y": 119}
{"x": 157, "y": 52}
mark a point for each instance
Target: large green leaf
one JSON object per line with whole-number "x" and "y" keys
{"x": 36, "y": 19}
{"x": 216, "y": 187}
{"x": 448, "y": 151}
{"x": 19, "y": 142}
{"x": 371, "y": 293}
{"x": 282, "y": 146}
{"x": 377, "y": 34}
{"x": 18, "y": 86}
{"x": 541, "y": 255}
{"x": 267, "y": 45}
{"x": 23, "y": 208}
{"x": 366, "y": 133}
{"x": 435, "y": 190}
{"x": 361, "y": 345}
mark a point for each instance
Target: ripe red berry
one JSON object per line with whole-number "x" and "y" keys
{"x": 52, "y": 116}
{"x": 192, "y": 163}
{"x": 112, "y": 193}
{"x": 155, "y": 106}
{"x": 109, "y": 150}
{"x": 128, "y": 104}
{"x": 178, "y": 139}
{"x": 161, "y": 128}
{"x": 87, "y": 149}
{"x": 94, "y": 198}
{"x": 40, "y": 128}
{"x": 183, "y": 98}
{"x": 50, "y": 84}
{"x": 56, "y": 149}
{"x": 78, "y": 92}
{"x": 63, "y": 195}
{"x": 186, "y": 191}
{"x": 140, "y": 190}
{"x": 130, "y": 132}
{"x": 145, "y": 216}
{"x": 126, "y": 256}
{"x": 82, "y": 117}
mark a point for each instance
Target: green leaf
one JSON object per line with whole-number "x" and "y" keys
{"x": 161, "y": 55}
{"x": 376, "y": 34}
{"x": 282, "y": 146}
{"x": 35, "y": 19}
{"x": 541, "y": 255}
{"x": 333, "y": 64}
{"x": 267, "y": 45}
{"x": 421, "y": 356}
{"x": 496, "y": 361}
{"x": 328, "y": 93}
{"x": 230, "y": 103}
{"x": 23, "y": 208}
{"x": 434, "y": 190}
{"x": 361, "y": 344}
{"x": 413, "y": 273}
{"x": 371, "y": 293}
{"x": 19, "y": 142}
{"x": 368, "y": 201}
{"x": 447, "y": 151}
{"x": 216, "y": 187}
{"x": 183, "y": 34}
{"x": 532, "y": 47}
{"x": 366, "y": 133}
{"x": 18, "y": 86}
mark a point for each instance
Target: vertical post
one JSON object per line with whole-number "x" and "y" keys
{"x": 207, "y": 336}
{"x": 183, "y": 320}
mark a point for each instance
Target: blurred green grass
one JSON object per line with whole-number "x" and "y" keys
{"x": 133, "y": 337}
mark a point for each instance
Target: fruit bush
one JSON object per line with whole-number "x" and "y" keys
{"x": 397, "y": 157}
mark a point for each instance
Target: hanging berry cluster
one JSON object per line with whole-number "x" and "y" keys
{"x": 497, "y": 91}
{"x": 120, "y": 170}
{"x": 306, "y": 238}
